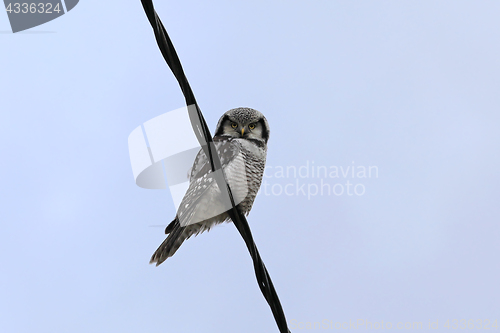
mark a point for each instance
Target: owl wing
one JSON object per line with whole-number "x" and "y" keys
{"x": 203, "y": 189}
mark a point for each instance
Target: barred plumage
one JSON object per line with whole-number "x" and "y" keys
{"x": 241, "y": 143}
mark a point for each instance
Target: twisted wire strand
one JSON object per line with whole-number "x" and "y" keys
{"x": 205, "y": 139}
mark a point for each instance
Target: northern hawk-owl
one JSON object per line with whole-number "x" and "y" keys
{"x": 241, "y": 142}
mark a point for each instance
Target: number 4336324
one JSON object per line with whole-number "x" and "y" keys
{"x": 485, "y": 324}
{"x": 24, "y": 8}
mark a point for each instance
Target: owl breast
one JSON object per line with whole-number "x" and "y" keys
{"x": 254, "y": 158}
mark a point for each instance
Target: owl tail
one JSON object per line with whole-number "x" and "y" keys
{"x": 177, "y": 235}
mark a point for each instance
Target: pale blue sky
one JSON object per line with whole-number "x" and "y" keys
{"x": 411, "y": 87}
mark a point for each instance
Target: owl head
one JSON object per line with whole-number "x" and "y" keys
{"x": 243, "y": 123}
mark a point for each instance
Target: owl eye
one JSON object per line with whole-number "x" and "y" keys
{"x": 234, "y": 125}
{"x": 251, "y": 126}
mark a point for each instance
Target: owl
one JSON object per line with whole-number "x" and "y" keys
{"x": 241, "y": 142}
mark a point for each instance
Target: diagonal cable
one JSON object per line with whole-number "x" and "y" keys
{"x": 205, "y": 139}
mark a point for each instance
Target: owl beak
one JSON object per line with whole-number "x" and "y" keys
{"x": 242, "y": 131}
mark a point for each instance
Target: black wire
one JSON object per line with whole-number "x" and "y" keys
{"x": 205, "y": 139}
